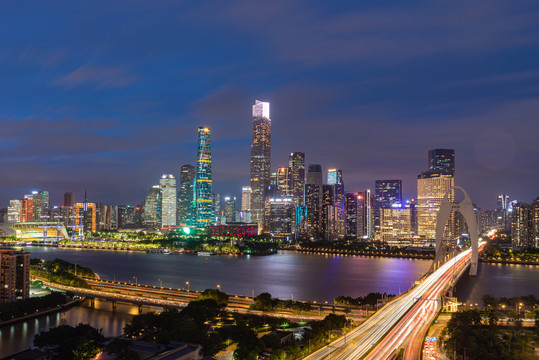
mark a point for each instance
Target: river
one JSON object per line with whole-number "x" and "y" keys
{"x": 285, "y": 275}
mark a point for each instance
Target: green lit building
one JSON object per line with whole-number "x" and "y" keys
{"x": 203, "y": 183}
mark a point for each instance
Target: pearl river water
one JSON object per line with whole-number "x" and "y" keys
{"x": 286, "y": 275}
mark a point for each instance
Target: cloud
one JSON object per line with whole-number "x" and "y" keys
{"x": 98, "y": 76}
{"x": 315, "y": 35}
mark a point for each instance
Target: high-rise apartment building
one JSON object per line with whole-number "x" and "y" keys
{"x": 296, "y": 166}
{"x": 521, "y": 226}
{"x": 534, "y": 219}
{"x": 442, "y": 161}
{"x": 69, "y": 200}
{"x": 431, "y": 188}
{"x": 386, "y": 194}
{"x": 365, "y": 214}
{"x": 152, "y": 207}
{"x": 203, "y": 185}
{"x": 186, "y": 195}
{"x": 14, "y": 275}
{"x": 245, "y": 198}
{"x": 167, "y": 184}
{"x": 260, "y": 158}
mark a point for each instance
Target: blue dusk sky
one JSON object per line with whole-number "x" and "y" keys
{"x": 106, "y": 96}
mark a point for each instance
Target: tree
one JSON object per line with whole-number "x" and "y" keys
{"x": 214, "y": 294}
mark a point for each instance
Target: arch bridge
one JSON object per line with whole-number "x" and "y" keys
{"x": 446, "y": 246}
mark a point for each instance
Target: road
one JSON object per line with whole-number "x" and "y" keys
{"x": 406, "y": 317}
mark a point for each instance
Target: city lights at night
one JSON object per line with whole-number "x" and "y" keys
{"x": 269, "y": 180}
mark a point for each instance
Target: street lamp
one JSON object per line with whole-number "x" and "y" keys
{"x": 136, "y": 280}
{"x": 218, "y": 287}
{"x": 189, "y": 286}
{"x": 161, "y": 282}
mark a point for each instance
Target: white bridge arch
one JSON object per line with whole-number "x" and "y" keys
{"x": 464, "y": 207}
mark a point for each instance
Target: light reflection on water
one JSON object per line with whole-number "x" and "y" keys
{"x": 19, "y": 336}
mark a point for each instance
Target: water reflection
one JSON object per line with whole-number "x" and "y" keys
{"x": 18, "y": 337}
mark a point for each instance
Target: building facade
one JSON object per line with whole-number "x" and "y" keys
{"x": 396, "y": 224}
{"x": 386, "y": 194}
{"x": 260, "y": 158}
{"x": 203, "y": 184}
{"x": 167, "y": 184}
{"x": 296, "y": 166}
{"x": 14, "y": 275}
{"x": 442, "y": 161}
{"x": 186, "y": 195}
{"x": 279, "y": 218}
{"x": 431, "y": 188}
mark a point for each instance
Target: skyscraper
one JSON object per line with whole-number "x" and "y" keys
{"x": 521, "y": 226}
{"x": 260, "y": 158}
{"x": 504, "y": 218}
{"x": 352, "y": 214}
{"x": 41, "y": 204}
{"x": 152, "y": 208}
{"x": 230, "y": 209}
{"x": 217, "y": 207}
{"x": 14, "y": 275}
{"x": 296, "y": 165}
{"x": 335, "y": 180}
{"x": 431, "y": 188}
{"x": 442, "y": 161}
{"x": 167, "y": 183}
{"x": 69, "y": 200}
{"x": 203, "y": 185}
{"x": 283, "y": 183}
{"x": 386, "y": 194}
{"x": 245, "y": 198}
{"x": 186, "y": 195}
{"x": 365, "y": 215}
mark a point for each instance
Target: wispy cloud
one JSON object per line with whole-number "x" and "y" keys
{"x": 98, "y": 76}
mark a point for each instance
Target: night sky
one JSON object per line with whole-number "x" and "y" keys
{"x": 108, "y": 95}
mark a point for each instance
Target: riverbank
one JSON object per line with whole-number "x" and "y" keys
{"x": 42, "y": 312}
{"x": 362, "y": 253}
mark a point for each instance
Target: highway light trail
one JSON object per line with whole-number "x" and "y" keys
{"x": 407, "y": 316}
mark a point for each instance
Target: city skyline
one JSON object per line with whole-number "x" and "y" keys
{"x": 98, "y": 111}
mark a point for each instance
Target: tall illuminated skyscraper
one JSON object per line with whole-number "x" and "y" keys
{"x": 167, "y": 183}
{"x": 260, "y": 158}
{"x": 186, "y": 195}
{"x": 296, "y": 166}
{"x": 283, "y": 183}
{"x": 203, "y": 185}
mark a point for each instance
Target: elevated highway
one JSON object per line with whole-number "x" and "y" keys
{"x": 399, "y": 326}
